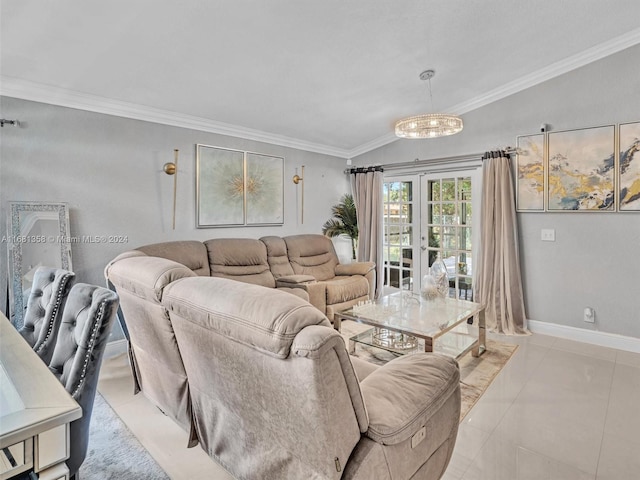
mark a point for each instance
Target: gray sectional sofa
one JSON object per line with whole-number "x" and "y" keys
{"x": 266, "y": 386}
{"x": 305, "y": 265}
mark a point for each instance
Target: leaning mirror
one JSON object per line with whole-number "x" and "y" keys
{"x": 38, "y": 236}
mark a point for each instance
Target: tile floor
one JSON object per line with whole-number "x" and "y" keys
{"x": 559, "y": 410}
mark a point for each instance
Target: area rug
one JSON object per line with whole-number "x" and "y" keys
{"x": 114, "y": 453}
{"x": 476, "y": 374}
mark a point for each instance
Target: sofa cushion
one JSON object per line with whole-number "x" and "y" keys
{"x": 241, "y": 259}
{"x": 399, "y": 402}
{"x": 277, "y": 256}
{"x": 240, "y": 312}
{"x": 312, "y": 255}
{"x": 190, "y": 253}
{"x": 343, "y": 289}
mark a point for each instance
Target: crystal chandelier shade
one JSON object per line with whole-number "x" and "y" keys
{"x": 429, "y": 125}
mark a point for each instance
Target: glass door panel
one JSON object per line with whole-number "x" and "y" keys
{"x": 447, "y": 225}
{"x": 400, "y": 237}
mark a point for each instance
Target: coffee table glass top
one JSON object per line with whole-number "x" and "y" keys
{"x": 410, "y": 313}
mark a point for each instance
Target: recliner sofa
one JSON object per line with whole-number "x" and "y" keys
{"x": 305, "y": 265}
{"x": 269, "y": 388}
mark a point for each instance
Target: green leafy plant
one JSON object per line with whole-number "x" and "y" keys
{"x": 344, "y": 221}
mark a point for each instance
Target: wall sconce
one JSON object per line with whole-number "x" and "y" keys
{"x": 297, "y": 179}
{"x": 172, "y": 169}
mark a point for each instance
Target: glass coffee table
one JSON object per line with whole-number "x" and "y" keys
{"x": 404, "y": 322}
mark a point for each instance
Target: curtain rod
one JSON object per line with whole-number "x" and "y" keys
{"x": 434, "y": 161}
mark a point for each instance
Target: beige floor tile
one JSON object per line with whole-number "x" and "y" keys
{"x": 502, "y": 460}
{"x": 559, "y": 410}
{"x": 628, "y": 358}
{"x": 595, "y": 351}
{"x": 619, "y": 459}
{"x": 469, "y": 442}
{"x": 165, "y": 441}
{"x": 573, "y": 372}
{"x": 623, "y": 417}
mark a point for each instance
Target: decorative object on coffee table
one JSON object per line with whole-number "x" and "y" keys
{"x": 429, "y": 288}
{"x": 439, "y": 273}
{"x": 394, "y": 340}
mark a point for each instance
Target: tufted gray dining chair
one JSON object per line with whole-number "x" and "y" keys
{"x": 44, "y": 309}
{"x": 82, "y": 338}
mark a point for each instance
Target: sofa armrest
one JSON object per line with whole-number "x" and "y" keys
{"x": 356, "y": 268}
{"x": 292, "y": 281}
{"x": 145, "y": 277}
{"x": 317, "y": 291}
{"x": 403, "y": 395}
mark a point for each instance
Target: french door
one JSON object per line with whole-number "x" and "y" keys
{"x": 429, "y": 215}
{"x": 401, "y": 240}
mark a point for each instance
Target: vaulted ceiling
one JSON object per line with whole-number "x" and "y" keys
{"x": 330, "y": 76}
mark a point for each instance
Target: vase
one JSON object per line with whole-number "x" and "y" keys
{"x": 439, "y": 273}
{"x": 429, "y": 287}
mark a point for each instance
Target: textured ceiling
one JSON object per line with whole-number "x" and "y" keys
{"x": 331, "y": 73}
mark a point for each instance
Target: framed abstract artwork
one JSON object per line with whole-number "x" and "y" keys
{"x": 581, "y": 175}
{"x": 237, "y": 188}
{"x": 264, "y": 187}
{"x": 530, "y": 171}
{"x": 629, "y": 167}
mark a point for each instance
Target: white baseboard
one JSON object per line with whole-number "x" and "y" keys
{"x": 604, "y": 339}
{"x": 594, "y": 337}
{"x": 117, "y": 347}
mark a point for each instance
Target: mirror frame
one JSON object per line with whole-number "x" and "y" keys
{"x": 17, "y": 238}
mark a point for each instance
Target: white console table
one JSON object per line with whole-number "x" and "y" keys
{"x": 35, "y": 412}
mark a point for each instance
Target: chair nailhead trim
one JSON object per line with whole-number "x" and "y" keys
{"x": 92, "y": 341}
{"x": 59, "y": 295}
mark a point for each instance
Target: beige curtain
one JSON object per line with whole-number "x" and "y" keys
{"x": 366, "y": 185}
{"x": 499, "y": 283}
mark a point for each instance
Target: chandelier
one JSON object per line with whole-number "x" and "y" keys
{"x": 429, "y": 125}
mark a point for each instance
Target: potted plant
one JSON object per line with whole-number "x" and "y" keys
{"x": 344, "y": 222}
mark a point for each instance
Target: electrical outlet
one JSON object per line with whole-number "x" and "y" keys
{"x": 548, "y": 235}
{"x": 589, "y": 315}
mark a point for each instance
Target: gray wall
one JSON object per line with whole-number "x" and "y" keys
{"x": 595, "y": 260}
{"x": 109, "y": 170}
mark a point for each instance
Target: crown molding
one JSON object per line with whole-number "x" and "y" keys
{"x": 551, "y": 71}
{"x": 37, "y": 92}
{"x": 556, "y": 69}
{"x": 372, "y": 145}
{"x": 26, "y": 90}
